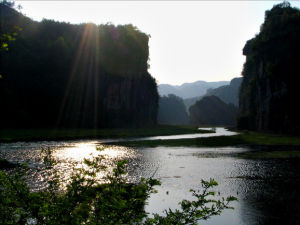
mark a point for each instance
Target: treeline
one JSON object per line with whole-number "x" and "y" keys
{"x": 212, "y": 111}
{"x": 217, "y": 108}
{"x": 172, "y": 111}
{"x": 269, "y": 94}
{"x": 208, "y": 111}
{"x": 63, "y": 75}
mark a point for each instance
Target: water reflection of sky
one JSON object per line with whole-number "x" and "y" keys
{"x": 220, "y": 131}
{"x": 179, "y": 169}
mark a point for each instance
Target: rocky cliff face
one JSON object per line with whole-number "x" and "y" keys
{"x": 269, "y": 92}
{"x": 114, "y": 101}
{"x": 228, "y": 93}
{"x": 63, "y": 75}
{"x": 130, "y": 101}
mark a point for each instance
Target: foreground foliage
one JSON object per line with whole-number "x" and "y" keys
{"x": 87, "y": 200}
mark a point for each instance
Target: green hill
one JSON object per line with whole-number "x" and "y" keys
{"x": 66, "y": 75}
{"x": 211, "y": 111}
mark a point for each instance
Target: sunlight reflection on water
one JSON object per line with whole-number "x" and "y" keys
{"x": 89, "y": 149}
{"x": 68, "y": 154}
{"x": 178, "y": 168}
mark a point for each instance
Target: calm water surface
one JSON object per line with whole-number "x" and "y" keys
{"x": 268, "y": 190}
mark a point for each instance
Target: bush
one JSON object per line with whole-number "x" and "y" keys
{"x": 87, "y": 200}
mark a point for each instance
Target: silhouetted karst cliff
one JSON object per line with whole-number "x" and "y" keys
{"x": 211, "y": 111}
{"x": 228, "y": 93}
{"x": 172, "y": 110}
{"x": 269, "y": 95}
{"x": 59, "y": 74}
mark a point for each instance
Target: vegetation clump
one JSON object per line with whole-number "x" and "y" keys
{"x": 87, "y": 200}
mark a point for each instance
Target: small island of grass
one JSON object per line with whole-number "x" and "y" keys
{"x": 12, "y": 135}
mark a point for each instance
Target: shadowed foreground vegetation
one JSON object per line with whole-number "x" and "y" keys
{"x": 86, "y": 200}
{"x": 11, "y": 135}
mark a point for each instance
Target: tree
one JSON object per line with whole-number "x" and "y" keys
{"x": 9, "y": 3}
{"x": 7, "y": 37}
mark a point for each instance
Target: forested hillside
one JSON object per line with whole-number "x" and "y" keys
{"x": 172, "y": 110}
{"x": 228, "y": 93}
{"x": 269, "y": 94}
{"x": 188, "y": 102}
{"x": 63, "y": 75}
{"x": 211, "y": 111}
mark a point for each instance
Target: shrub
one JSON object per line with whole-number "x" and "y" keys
{"x": 87, "y": 200}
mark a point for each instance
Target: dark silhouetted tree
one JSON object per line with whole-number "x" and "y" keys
{"x": 172, "y": 110}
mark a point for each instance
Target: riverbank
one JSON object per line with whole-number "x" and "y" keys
{"x": 264, "y": 146}
{"x": 246, "y": 138}
{"x": 13, "y": 135}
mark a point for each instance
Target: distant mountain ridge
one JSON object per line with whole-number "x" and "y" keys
{"x": 228, "y": 93}
{"x": 189, "y": 90}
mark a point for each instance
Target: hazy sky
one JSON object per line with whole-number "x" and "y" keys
{"x": 190, "y": 40}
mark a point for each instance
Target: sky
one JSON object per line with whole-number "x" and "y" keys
{"x": 190, "y": 40}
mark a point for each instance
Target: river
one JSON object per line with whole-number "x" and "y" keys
{"x": 267, "y": 190}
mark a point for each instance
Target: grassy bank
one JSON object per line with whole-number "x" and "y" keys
{"x": 246, "y": 139}
{"x": 11, "y": 135}
{"x": 284, "y": 154}
{"x": 265, "y": 146}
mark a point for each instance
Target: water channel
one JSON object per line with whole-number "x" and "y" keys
{"x": 267, "y": 190}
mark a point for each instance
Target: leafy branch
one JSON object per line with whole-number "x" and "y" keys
{"x": 87, "y": 200}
